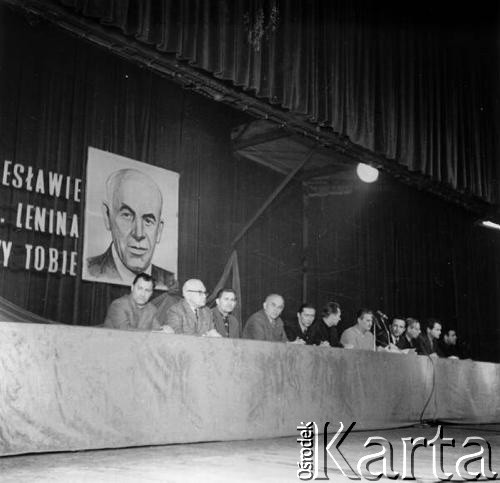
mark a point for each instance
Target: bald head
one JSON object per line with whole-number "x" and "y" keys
{"x": 132, "y": 213}
{"x": 273, "y": 306}
{"x": 195, "y": 293}
{"x": 124, "y": 178}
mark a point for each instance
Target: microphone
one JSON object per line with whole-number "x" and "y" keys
{"x": 381, "y": 314}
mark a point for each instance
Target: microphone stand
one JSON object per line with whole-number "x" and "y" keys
{"x": 375, "y": 323}
{"x": 380, "y": 323}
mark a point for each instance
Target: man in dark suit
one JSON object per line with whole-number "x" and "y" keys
{"x": 226, "y": 324}
{"x": 298, "y": 329}
{"x": 132, "y": 213}
{"x": 324, "y": 332}
{"x": 452, "y": 347}
{"x": 390, "y": 340}
{"x": 430, "y": 339}
{"x": 410, "y": 339}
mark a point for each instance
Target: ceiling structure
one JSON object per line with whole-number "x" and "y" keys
{"x": 331, "y": 170}
{"x": 325, "y": 171}
{"x": 278, "y": 138}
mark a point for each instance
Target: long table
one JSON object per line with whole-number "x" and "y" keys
{"x": 73, "y": 388}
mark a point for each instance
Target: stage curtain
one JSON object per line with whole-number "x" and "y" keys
{"x": 415, "y": 83}
{"x": 59, "y": 95}
{"x": 406, "y": 253}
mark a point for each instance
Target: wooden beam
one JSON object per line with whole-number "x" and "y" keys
{"x": 261, "y": 138}
{"x": 271, "y": 198}
{"x": 328, "y": 170}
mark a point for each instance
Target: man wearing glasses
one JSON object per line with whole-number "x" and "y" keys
{"x": 190, "y": 316}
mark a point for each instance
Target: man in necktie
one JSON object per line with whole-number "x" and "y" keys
{"x": 298, "y": 330}
{"x": 390, "y": 341}
{"x": 398, "y": 327}
{"x": 225, "y": 322}
{"x": 190, "y": 316}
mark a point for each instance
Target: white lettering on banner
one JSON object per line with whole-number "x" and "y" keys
{"x": 6, "y": 247}
{"x": 36, "y": 218}
{"x": 51, "y": 259}
{"x": 54, "y": 184}
{"x": 31, "y": 215}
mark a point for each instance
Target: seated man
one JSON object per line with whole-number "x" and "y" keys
{"x": 190, "y": 316}
{"x": 389, "y": 341}
{"x": 359, "y": 336}
{"x": 299, "y": 329}
{"x": 324, "y": 331}
{"x": 134, "y": 311}
{"x": 430, "y": 339}
{"x": 453, "y": 348}
{"x": 266, "y": 324}
{"x": 225, "y": 323}
{"x": 410, "y": 339}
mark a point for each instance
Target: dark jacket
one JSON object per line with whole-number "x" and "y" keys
{"x": 103, "y": 266}
{"x": 320, "y": 332}
{"x": 233, "y": 330}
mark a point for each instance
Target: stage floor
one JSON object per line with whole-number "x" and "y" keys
{"x": 268, "y": 460}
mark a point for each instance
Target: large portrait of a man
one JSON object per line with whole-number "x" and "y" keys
{"x": 131, "y": 221}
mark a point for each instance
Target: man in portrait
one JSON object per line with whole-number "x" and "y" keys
{"x": 132, "y": 213}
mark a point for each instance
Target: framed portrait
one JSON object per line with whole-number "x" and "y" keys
{"x": 131, "y": 221}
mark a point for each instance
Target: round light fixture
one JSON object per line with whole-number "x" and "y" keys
{"x": 367, "y": 173}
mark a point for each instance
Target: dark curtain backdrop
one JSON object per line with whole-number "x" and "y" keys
{"x": 406, "y": 253}
{"x": 415, "y": 82}
{"x": 58, "y": 95}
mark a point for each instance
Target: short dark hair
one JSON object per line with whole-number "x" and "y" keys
{"x": 410, "y": 322}
{"x": 330, "y": 308}
{"x": 305, "y": 305}
{"x": 398, "y": 317}
{"x": 431, "y": 322}
{"x": 362, "y": 312}
{"x": 145, "y": 277}
{"x": 225, "y": 290}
